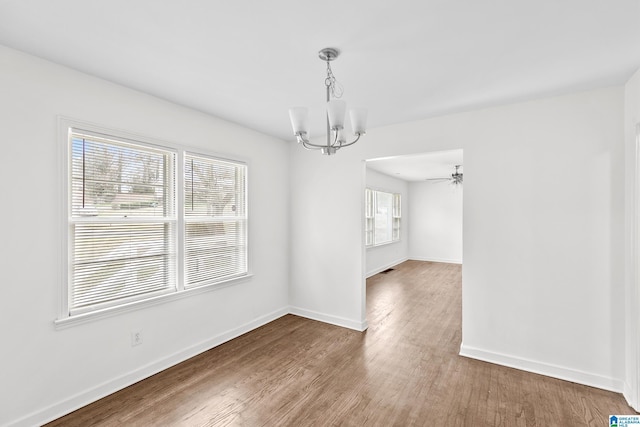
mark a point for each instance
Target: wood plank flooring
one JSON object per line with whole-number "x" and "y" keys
{"x": 404, "y": 370}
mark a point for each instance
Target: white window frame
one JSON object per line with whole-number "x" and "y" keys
{"x": 371, "y": 207}
{"x": 238, "y": 217}
{"x": 65, "y": 319}
{"x": 369, "y": 215}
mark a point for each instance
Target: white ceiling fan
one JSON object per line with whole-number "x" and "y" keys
{"x": 455, "y": 178}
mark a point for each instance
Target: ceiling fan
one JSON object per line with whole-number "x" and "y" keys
{"x": 455, "y": 179}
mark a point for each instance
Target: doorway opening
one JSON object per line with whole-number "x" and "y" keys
{"x": 429, "y": 217}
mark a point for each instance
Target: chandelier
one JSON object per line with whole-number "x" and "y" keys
{"x": 335, "y": 114}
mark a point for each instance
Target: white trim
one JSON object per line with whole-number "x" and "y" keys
{"x": 91, "y": 395}
{"x": 632, "y": 391}
{"x": 383, "y": 268}
{"x": 363, "y": 249}
{"x": 627, "y": 393}
{"x": 635, "y": 294}
{"x": 432, "y": 259}
{"x": 62, "y": 287}
{"x": 383, "y": 244}
{"x": 180, "y": 230}
{"x": 357, "y": 325}
{"x": 549, "y": 370}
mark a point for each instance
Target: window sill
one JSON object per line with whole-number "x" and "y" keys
{"x": 79, "y": 319}
{"x": 382, "y": 244}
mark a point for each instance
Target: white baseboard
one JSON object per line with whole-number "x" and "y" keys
{"x": 95, "y": 393}
{"x": 432, "y": 259}
{"x": 630, "y": 396}
{"x": 327, "y": 318}
{"x": 383, "y": 268}
{"x": 563, "y": 373}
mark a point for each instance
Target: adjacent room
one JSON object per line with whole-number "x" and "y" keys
{"x": 254, "y": 213}
{"x": 425, "y": 223}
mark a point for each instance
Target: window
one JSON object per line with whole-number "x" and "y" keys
{"x": 396, "y": 215}
{"x": 215, "y": 220}
{"x": 369, "y": 215}
{"x": 128, "y": 237}
{"x": 382, "y": 217}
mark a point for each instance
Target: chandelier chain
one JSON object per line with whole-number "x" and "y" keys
{"x": 330, "y": 82}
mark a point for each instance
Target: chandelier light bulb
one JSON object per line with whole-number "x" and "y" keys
{"x": 336, "y": 110}
{"x": 298, "y": 116}
{"x": 358, "y": 120}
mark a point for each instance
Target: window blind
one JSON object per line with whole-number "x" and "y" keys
{"x": 122, "y": 221}
{"x": 215, "y": 220}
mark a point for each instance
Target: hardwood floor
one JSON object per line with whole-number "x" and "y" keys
{"x": 404, "y": 370}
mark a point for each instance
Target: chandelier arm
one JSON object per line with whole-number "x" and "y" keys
{"x": 307, "y": 144}
{"x": 335, "y": 139}
{"x": 352, "y": 142}
{"x": 311, "y": 148}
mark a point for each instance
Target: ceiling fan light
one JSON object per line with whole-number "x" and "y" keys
{"x": 298, "y": 116}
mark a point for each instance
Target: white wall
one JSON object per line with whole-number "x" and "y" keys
{"x": 631, "y": 121}
{"x": 381, "y": 257}
{"x": 543, "y": 281}
{"x": 543, "y": 230}
{"x": 46, "y": 372}
{"x": 436, "y": 222}
{"x": 326, "y": 276}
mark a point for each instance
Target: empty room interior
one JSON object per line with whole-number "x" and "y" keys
{"x": 254, "y": 213}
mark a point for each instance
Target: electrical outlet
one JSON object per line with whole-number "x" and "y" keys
{"x": 136, "y": 338}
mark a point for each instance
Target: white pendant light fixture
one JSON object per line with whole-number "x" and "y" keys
{"x": 336, "y": 110}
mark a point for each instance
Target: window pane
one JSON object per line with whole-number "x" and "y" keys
{"x": 122, "y": 259}
{"x": 369, "y": 216}
{"x": 213, "y": 187}
{"x": 215, "y": 251}
{"x": 111, "y": 178}
{"x": 114, "y": 262}
{"x": 215, "y": 220}
{"x": 383, "y": 212}
{"x": 384, "y": 209}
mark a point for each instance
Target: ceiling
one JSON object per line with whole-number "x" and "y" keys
{"x": 249, "y": 61}
{"x": 440, "y": 164}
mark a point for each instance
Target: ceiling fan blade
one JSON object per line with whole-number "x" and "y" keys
{"x": 437, "y": 179}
